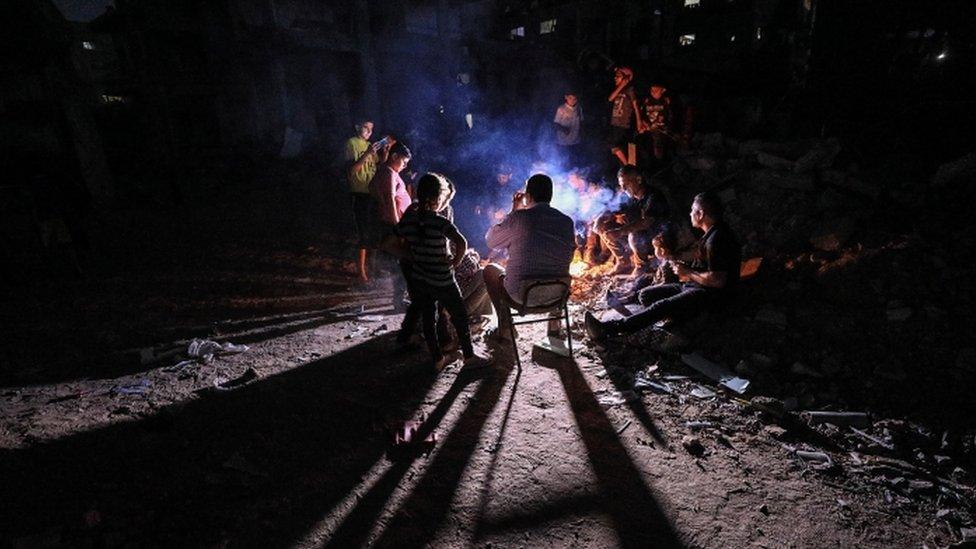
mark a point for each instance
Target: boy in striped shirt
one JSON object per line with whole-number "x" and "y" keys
{"x": 429, "y": 237}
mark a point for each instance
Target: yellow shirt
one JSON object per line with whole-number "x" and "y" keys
{"x": 359, "y": 181}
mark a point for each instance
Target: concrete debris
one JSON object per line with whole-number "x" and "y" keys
{"x": 716, "y": 372}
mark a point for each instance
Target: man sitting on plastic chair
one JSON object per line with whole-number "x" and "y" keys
{"x": 540, "y": 241}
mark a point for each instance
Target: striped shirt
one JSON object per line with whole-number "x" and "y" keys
{"x": 426, "y": 235}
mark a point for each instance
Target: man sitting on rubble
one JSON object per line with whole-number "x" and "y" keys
{"x": 627, "y": 233}
{"x": 707, "y": 282}
{"x": 540, "y": 241}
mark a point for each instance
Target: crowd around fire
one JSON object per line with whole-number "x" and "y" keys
{"x": 407, "y": 228}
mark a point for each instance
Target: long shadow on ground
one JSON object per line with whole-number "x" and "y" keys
{"x": 634, "y": 511}
{"x": 427, "y": 506}
{"x": 257, "y": 466}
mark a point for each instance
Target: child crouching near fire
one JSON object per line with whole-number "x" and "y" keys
{"x": 428, "y": 237}
{"x": 665, "y": 244}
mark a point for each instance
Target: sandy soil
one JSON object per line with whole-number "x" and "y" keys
{"x": 97, "y": 449}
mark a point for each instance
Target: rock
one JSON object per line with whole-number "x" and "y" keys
{"x": 693, "y": 445}
{"x": 832, "y": 234}
{"x": 744, "y": 369}
{"x": 701, "y": 163}
{"x": 891, "y": 371}
{"x": 820, "y": 157}
{"x": 898, "y": 314}
{"x": 771, "y": 316}
{"x": 755, "y": 146}
{"x": 968, "y": 534}
{"x": 802, "y": 369}
{"x": 775, "y": 431}
{"x": 961, "y": 170}
{"x": 966, "y": 360}
{"x": 775, "y": 162}
{"x": 711, "y": 143}
{"x": 728, "y": 195}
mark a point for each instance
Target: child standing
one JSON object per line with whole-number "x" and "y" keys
{"x": 428, "y": 237}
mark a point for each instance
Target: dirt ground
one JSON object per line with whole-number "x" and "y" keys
{"x": 98, "y": 449}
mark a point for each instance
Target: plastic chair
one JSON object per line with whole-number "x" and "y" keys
{"x": 542, "y": 296}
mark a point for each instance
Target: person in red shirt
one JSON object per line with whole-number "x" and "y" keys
{"x": 390, "y": 200}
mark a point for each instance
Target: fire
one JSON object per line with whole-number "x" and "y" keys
{"x": 578, "y": 267}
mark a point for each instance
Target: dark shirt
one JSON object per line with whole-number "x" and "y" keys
{"x": 657, "y": 113}
{"x": 622, "y": 110}
{"x": 653, "y": 205}
{"x": 719, "y": 251}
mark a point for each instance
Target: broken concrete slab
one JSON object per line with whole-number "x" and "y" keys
{"x": 716, "y": 372}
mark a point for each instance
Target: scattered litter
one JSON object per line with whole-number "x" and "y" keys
{"x": 716, "y": 372}
{"x": 624, "y": 428}
{"x": 222, "y": 384}
{"x": 660, "y": 388}
{"x": 181, "y": 367}
{"x": 618, "y": 398}
{"x": 875, "y": 440}
{"x": 817, "y": 457}
{"x": 139, "y": 388}
{"x": 699, "y": 425}
{"x": 206, "y": 349}
{"x": 371, "y": 318}
{"x": 702, "y": 392}
{"x": 674, "y": 378}
{"x": 554, "y": 345}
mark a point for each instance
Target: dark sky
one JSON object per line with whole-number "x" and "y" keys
{"x": 82, "y": 10}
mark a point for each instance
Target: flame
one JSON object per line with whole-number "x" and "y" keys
{"x": 578, "y": 267}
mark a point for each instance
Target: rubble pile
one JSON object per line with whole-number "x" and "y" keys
{"x": 851, "y": 334}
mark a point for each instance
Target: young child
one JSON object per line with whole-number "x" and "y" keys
{"x": 428, "y": 237}
{"x": 664, "y": 244}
